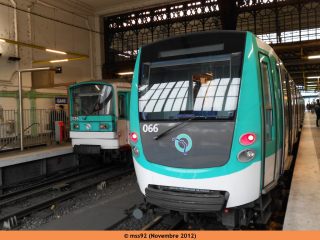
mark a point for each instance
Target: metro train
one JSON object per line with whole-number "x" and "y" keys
{"x": 214, "y": 116}
{"x": 100, "y": 119}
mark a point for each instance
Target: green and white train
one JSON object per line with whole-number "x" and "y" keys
{"x": 214, "y": 116}
{"x": 100, "y": 119}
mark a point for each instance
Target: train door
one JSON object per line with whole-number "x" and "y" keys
{"x": 293, "y": 116}
{"x": 123, "y": 120}
{"x": 286, "y": 116}
{"x": 290, "y": 112}
{"x": 269, "y": 121}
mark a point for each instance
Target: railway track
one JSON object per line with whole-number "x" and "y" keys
{"x": 174, "y": 224}
{"x": 11, "y": 218}
{"x": 49, "y": 185}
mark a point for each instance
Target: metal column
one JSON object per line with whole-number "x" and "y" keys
{"x": 21, "y": 97}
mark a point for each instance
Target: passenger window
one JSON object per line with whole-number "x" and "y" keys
{"x": 266, "y": 82}
{"x": 267, "y": 101}
{"x": 122, "y": 108}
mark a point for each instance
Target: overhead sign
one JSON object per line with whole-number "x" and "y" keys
{"x": 61, "y": 100}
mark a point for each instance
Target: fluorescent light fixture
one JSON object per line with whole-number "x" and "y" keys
{"x": 1, "y": 40}
{"x": 126, "y": 73}
{"x": 315, "y": 77}
{"x": 55, "y": 51}
{"x": 312, "y": 85}
{"x": 312, "y": 57}
{"x": 62, "y": 60}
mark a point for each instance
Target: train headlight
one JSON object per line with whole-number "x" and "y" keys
{"x": 246, "y": 155}
{"x": 104, "y": 126}
{"x": 135, "y": 151}
{"x": 75, "y": 126}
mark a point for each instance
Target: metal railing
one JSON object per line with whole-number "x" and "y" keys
{"x": 39, "y": 127}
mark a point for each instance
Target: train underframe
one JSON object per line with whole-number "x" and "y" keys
{"x": 255, "y": 213}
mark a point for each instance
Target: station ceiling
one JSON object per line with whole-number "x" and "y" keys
{"x": 293, "y": 54}
{"x": 113, "y": 7}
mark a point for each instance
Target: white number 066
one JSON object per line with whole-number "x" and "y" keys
{"x": 150, "y": 128}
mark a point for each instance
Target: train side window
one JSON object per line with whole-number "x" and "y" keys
{"x": 267, "y": 100}
{"x": 266, "y": 82}
{"x": 122, "y": 108}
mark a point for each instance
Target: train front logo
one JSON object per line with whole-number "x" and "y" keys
{"x": 88, "y": 127}
{"x": 185, "y": 143}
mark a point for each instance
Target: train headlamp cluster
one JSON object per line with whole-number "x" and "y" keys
{"x": 75, "y": 126}
{"x": 135, "y": 151}
{"x": 104, "y": 126}
{"x": 248, "y": 154}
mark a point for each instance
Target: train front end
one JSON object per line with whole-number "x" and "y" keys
{"x": 195, "y": 123}
{"x": 93, "y": 119}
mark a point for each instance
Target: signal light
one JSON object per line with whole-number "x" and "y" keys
{"x": 134, "y": 137}
{"x": 247, "y": 139}
{"x": 226, "y": 210}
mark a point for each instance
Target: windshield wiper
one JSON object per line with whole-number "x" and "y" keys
{"x": 160, "y": 135}
{"x": 189, "y": 119}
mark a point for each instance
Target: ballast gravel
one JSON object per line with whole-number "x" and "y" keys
{"x": 31, "y": 222}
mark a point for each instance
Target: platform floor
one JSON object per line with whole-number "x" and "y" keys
{"x": 32, "y": 154}
{"x": 303, "y": 211}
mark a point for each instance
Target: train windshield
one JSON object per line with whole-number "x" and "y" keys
{"x": 206, "y": 87}
{"x": 92, "y": 99}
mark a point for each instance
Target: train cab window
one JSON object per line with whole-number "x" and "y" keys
{"x": 122, "y": 108}
{"x": 206, "y": 87}
{"x": 92, "y": 99}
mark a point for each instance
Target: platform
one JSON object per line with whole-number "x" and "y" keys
{"x": 32, "y": 154}
{"x": 303, "y": 212}
{"x": 19, "y": 166}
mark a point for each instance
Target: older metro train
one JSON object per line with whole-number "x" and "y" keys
{"x": 214, "y": 116}
{"x": 100, "y": 119}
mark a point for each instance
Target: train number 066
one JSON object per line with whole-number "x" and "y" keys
{"x": 150, "y": 128}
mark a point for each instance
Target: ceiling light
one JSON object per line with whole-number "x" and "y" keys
{"x": 1, "y": 40}
{"x": 311, "y": 57}
{"x": 315, "y": 77}
{"x": 312, "y": 85}
{"x": 50, "y": 50}
{"x": 125, "y": 73}
{"x": 62, "y": 60}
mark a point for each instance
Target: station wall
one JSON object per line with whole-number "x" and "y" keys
{"x": 66, "y": 27}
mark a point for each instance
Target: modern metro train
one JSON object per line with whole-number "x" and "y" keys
{"x": 214, "y": 116}
{"x": 100, "y": 119}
